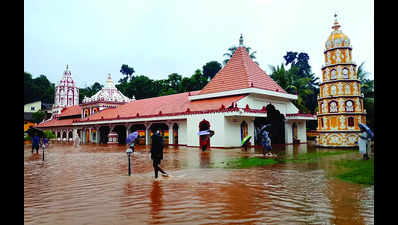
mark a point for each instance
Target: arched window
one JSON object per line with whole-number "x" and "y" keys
{"x": 350, "y": 121}
{"x": 243, "y": 130}
{"x": 333, "y": 74}
{"x": 345, "y": 73}
{"x": 333, "y": 90}
{"x": 347, "y": 89}
{"x": 349, "y": 106}
{"x": 333, "y": 106}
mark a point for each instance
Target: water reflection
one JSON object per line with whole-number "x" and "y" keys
{"x": 90, "y": 185}
{"x": 156, "y": 201}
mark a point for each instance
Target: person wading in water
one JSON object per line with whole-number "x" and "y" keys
{"x": 157, "y": 153}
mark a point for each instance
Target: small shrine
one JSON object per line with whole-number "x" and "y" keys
{"x": 108, "y": 97}
{"x": 340, "y": 101}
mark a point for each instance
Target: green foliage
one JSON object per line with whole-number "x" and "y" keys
{"x": 89, "y": 91}
{"x": 314, "y": 156}
{"x": 244, "y": 162}
{"x": 126, "y": 70}
{"x": 49, "y": 134}
{"x": 38, "y": 116}
{"x": 211, "y": 69}
{"x": 37, "y": 89}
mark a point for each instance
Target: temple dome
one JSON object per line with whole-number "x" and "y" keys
{"x": 337, "y": 38}
{"x": 108, "y": 94}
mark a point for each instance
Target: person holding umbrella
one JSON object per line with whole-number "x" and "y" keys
{"x": 131, "y": 139}
{"x": 157, "y": 153}
{"x": 363, "y": 140}
{"x": 35, "y": 142}
{"x": 266, "y": 141}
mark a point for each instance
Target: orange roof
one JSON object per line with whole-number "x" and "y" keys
{"x": 56, "y": 123}
{"x": 70, "y": 111}
{"x": 171, "y": 104}
{"x": 240, "y": 73}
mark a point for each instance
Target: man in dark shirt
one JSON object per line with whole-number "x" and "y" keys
{"x": 157, "y": 153}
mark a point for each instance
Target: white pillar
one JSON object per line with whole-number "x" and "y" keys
{"x": 171, "y": 139}
{"x": 288, "y": 133}
{"x": 302, "y": 131}
{"x": 147, "y": 133}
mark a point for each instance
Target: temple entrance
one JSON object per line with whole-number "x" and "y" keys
{"x": 277, "y": 130}
{"x": 87, "y": 136}
{"x": 203, "y": 139}
{"x": 243, "y": 130}
{"x": 175, "y": 134}
{"x": 121, "y": 131}
{"x": 104, "y": 131}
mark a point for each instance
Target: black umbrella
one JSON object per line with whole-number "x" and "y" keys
{"x": 32, "y": 131}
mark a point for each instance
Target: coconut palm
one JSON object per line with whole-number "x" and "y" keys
{"x": 367, "y": 85}
{"x": 232, "y": 51}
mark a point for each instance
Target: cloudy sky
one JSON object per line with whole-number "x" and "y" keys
{"x": 157, "y": 38}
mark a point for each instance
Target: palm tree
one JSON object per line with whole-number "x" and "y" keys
{"x": 232, "y": 51}
{"x": 293, "y": 84}
{"x": 367, "y": 85}
{"x": 126, "y": 70}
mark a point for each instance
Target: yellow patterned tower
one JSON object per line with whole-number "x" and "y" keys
{"x": 340, "y": 103}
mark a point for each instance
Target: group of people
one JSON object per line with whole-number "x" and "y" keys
{"x": 37, "y": 142}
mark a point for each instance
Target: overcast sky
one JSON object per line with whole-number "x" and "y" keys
{"x": 158, "y": 38}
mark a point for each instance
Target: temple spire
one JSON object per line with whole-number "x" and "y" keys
{"x": 336, "y": 24}
{"x": 240, "y": 40}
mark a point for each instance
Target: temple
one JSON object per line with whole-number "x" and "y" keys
{"x": 66, "y": 93}
{"x": 340, "y": 102}
{"x": 235, "y": 103}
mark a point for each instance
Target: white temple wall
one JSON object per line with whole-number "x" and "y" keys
{"x": 232, "y": 135}
{"x": 182, "y": 132}
{"x": 256, "y": 101}
{"x": 216, "y": 121}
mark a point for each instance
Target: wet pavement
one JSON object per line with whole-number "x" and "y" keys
{"x": 90, "y": 185}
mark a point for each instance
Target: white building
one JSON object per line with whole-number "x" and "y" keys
{"x": 239, "y": 99}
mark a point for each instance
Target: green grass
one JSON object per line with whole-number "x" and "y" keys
{"x": 314, "y": 156}
{"x": 357, "y": 171}
{"x": 244, "y": 162}
{"x": 248, "y": 162}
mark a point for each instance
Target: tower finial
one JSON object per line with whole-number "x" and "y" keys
{"x": 336, "y": 24}
{"x": 67, "y": 66}
{"x": 241, "y": 40}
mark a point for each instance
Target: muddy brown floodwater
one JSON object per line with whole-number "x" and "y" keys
{"x": 90, "y": 185}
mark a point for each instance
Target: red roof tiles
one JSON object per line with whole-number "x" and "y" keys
{"x": 171, "y": 104}
{"x": 240, "y": 73}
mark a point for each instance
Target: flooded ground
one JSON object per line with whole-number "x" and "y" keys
{"x": 90, "y": 185}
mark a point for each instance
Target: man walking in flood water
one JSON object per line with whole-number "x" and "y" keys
{"x": 157, "y": 153}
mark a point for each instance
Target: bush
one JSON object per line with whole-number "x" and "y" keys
{"x": 49, "y": 134}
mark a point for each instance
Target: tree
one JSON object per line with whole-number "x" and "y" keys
{"x": 38, "y": 116}
{"x": 367, "y": 85}
{"x": 127, "y": 71}
{"x": 198, "y": 80}
{"x": 211, "y": 69}
{"x": 232, "y": 51}
{"x": 174, "y": 82}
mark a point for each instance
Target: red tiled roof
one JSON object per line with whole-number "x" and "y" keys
{"x": 240, "y": 73}
{"x": 56, "y": 123}
{"x": 177, "y": 103}
{"x": 70, "y": 111}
